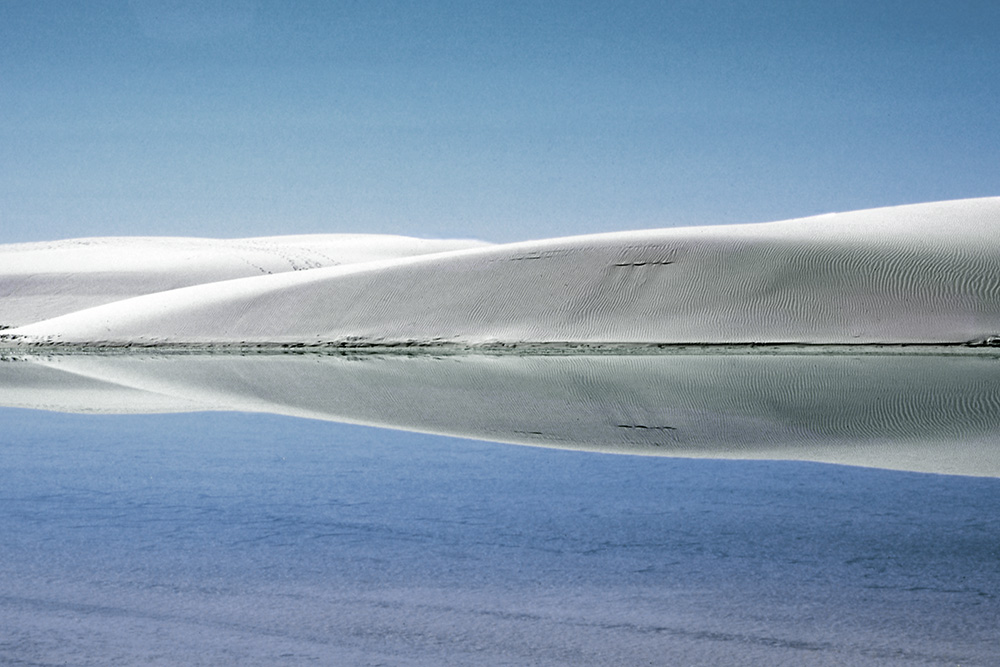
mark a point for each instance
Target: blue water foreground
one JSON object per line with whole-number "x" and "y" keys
{"x": 251, "y": 539}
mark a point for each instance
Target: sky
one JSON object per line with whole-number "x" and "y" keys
{"x": 501, "y": 120}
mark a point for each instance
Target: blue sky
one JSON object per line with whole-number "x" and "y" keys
{"x": 499, "y": 120}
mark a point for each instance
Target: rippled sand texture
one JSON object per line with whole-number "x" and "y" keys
{"x": 39, "y": 281}
{"x": 923, "y": 274}
{"x": 919, "y": 412}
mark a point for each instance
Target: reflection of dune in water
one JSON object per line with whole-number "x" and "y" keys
{"x": 933, "y": 412}
{"x": 34, "y": 385}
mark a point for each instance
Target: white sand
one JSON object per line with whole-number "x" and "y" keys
{"x": 925, "y": 273}
{"x": 39, "y": 281}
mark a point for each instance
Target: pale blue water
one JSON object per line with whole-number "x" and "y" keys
{"x": 222, "y": 538}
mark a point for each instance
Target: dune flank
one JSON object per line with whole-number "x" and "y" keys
{"x": 39, "y": 281}
{"x": 925, "y": 273}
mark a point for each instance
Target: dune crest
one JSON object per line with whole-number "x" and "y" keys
{"x": 925, "y": 273}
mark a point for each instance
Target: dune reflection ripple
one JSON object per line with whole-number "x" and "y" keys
{"x": 930, "y": 410}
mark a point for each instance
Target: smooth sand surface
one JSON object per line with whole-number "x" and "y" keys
{"x": 910, "y": 274}
{"x": 39, "y": 281}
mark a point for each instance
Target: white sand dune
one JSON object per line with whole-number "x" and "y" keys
{"x": 919, "y": 411}
{"x": 39, "y": 281}
{"x": 924, "y": 273}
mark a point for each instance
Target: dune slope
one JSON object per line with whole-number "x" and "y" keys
{"x": 39, "y": 281}
{"x": 924, "y": 273}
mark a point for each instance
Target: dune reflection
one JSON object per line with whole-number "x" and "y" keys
{"x": 931, "y": 410}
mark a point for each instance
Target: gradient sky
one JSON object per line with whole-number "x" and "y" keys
{"x": 499, "y": 120}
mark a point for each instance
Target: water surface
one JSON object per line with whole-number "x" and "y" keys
{"x": 240, "y": 538}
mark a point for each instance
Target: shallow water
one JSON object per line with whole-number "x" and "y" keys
{"x": 234, "y": 538}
